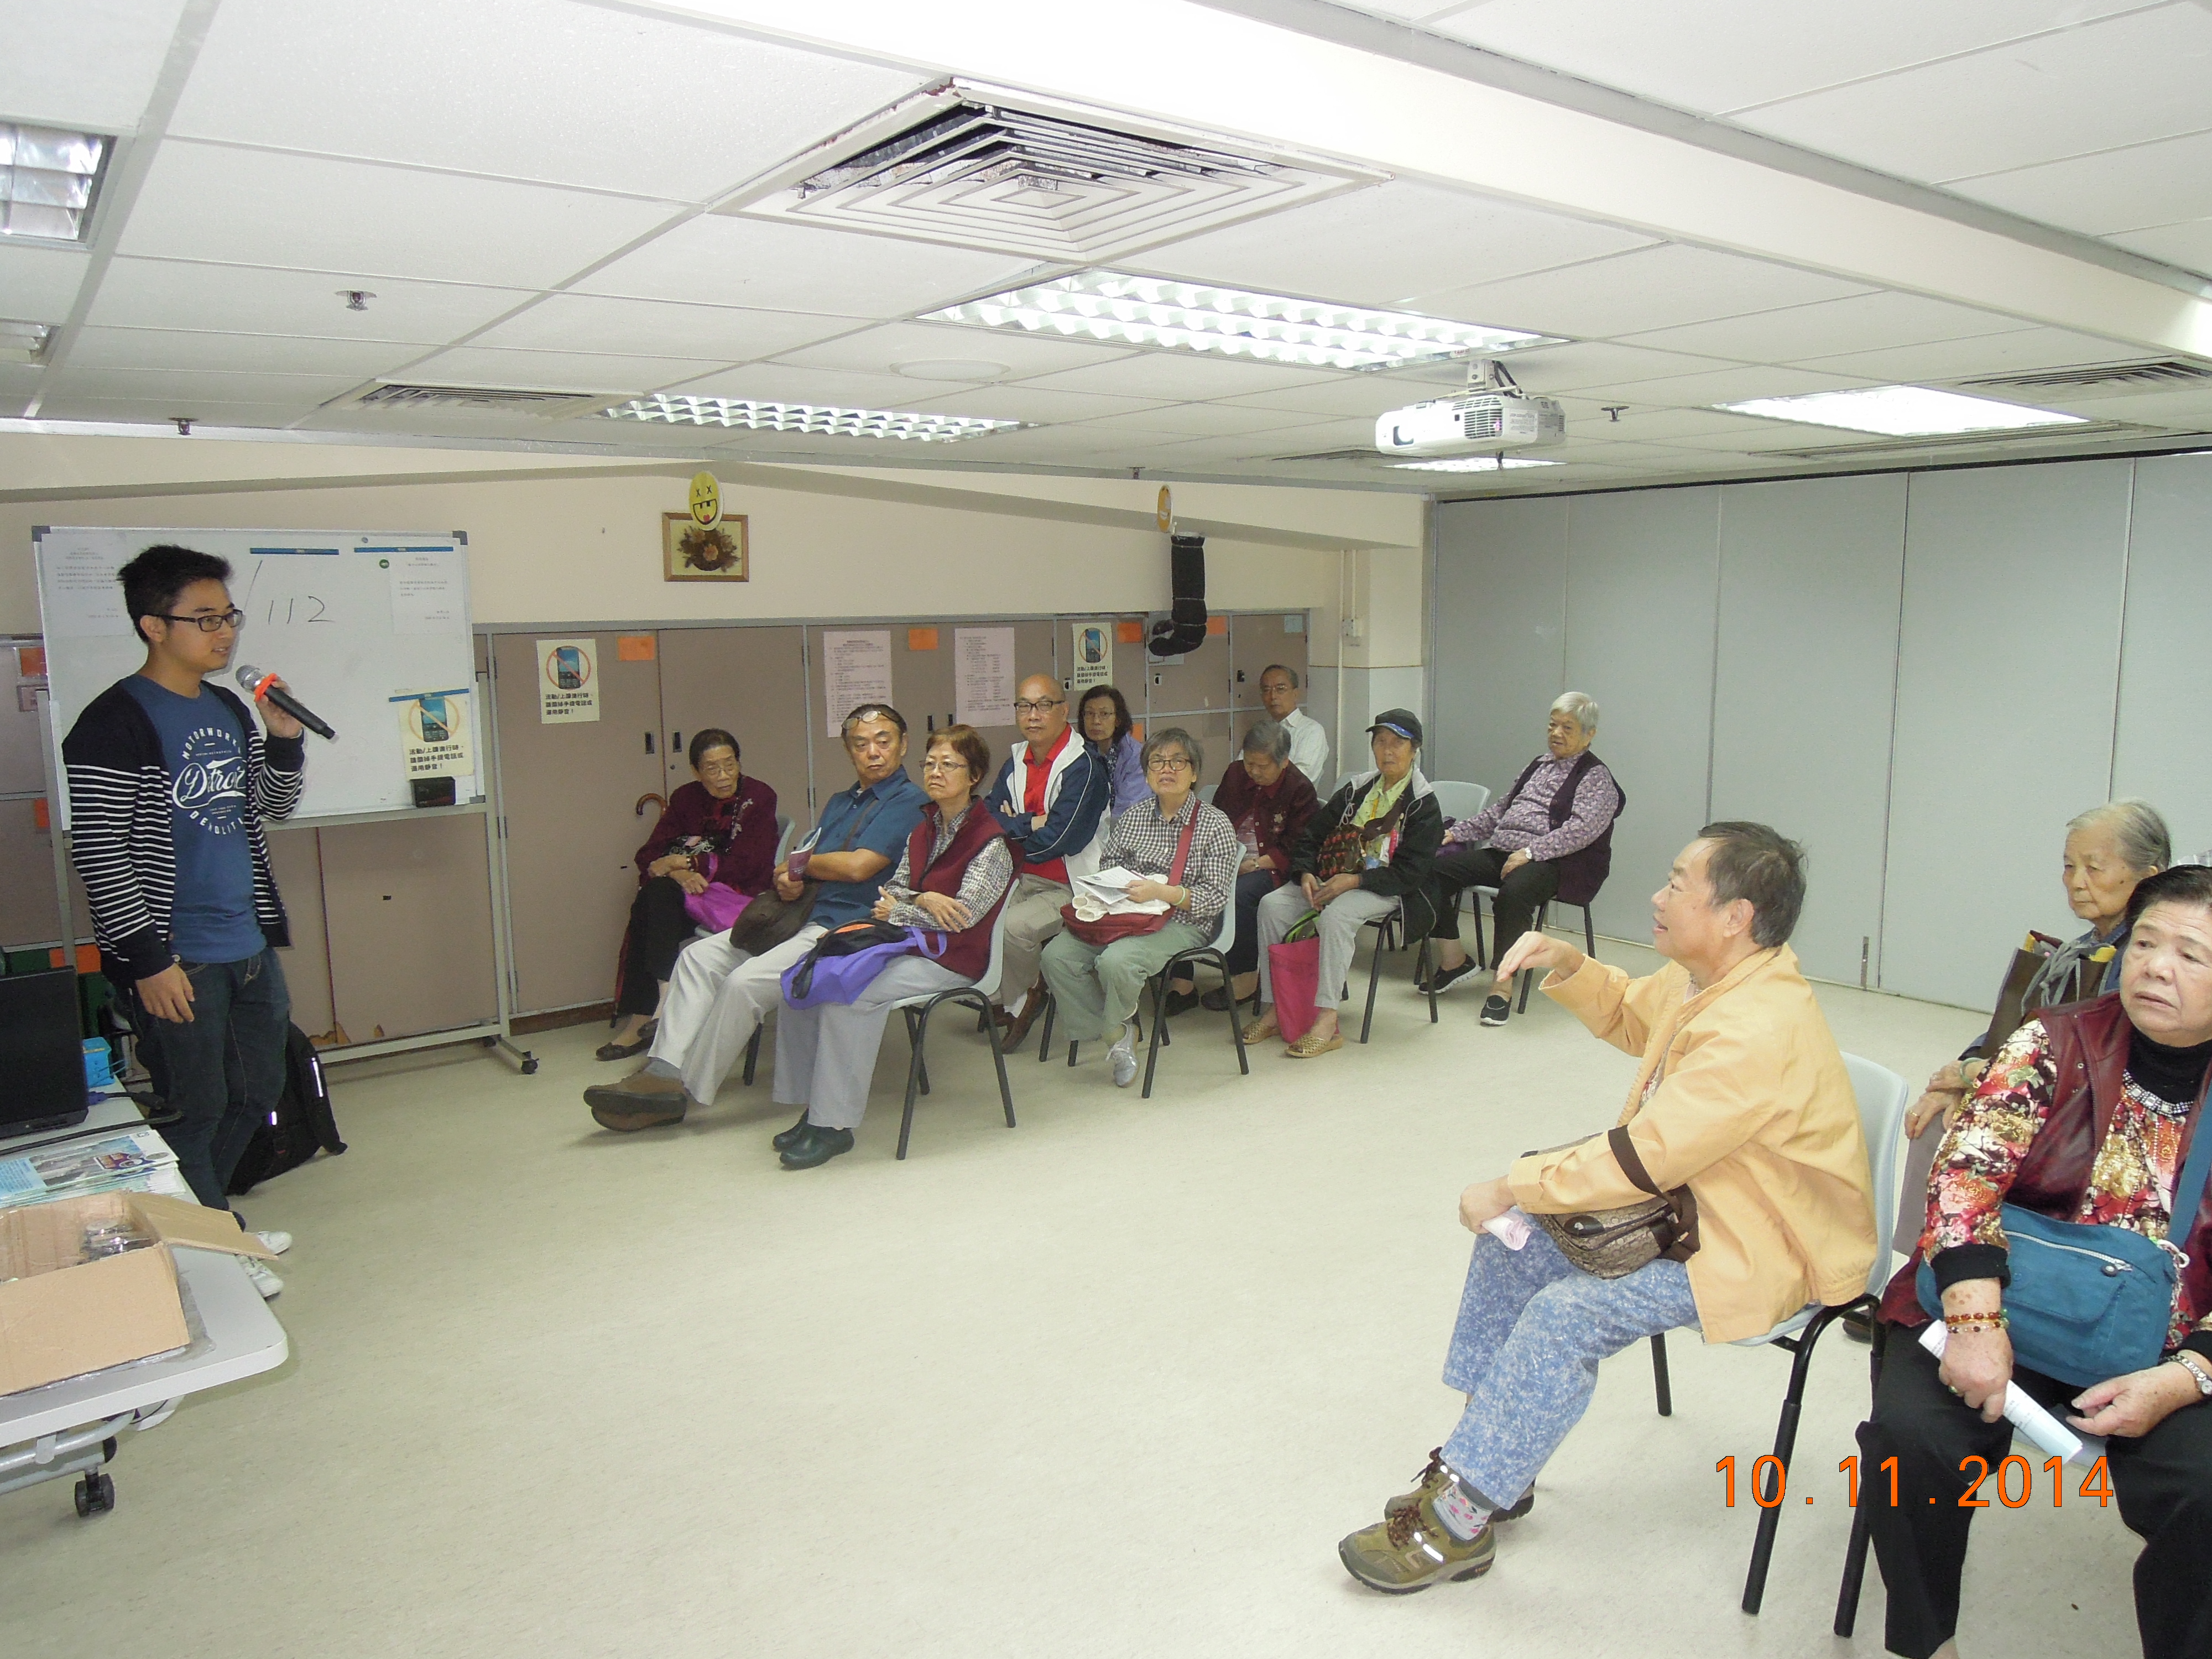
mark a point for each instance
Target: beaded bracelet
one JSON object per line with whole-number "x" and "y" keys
{"x": 1975, "y": 1324}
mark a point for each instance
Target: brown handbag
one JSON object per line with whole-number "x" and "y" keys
{"x": 1613, "y": 1243}
{"x": 770, "y": 920}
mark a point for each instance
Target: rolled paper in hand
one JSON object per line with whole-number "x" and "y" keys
{"x": 2022, "y": 1409}
{"x": 1510, "y": 1230}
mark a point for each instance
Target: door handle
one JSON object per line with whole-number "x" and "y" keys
{"x": 648, "y": 742}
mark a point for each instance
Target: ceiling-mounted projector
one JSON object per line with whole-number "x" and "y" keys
{"x": 1492, "y": 415}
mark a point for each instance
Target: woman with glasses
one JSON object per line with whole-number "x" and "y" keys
{"x": 1107, "y": 728}
{"x": 718, "y": 832}
{"x": 1095, "y": 987}
{"x": 950, "y": 882}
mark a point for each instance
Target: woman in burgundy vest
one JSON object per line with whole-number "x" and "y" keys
{"x": 951, "y": 881}
{"x": 2086, "y": 1114}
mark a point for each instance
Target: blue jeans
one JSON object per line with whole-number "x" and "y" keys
{"x": 222, "y": 1070}
{"x": 1532, "y": 1328}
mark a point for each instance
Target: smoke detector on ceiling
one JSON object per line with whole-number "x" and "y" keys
{"x": 978, "y": 166}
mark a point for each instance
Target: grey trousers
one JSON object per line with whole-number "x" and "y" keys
{"x": 825, "y": 1057}
{"x": 717, "y": 998}
{"x": 1032, "y": 914}
{"x": 1338, "y": 929}
{"x": 1097, "y": 989}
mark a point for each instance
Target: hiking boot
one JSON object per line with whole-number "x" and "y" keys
{"x": 1432, "y": 1480}
{"x": 1413, "y": 1550}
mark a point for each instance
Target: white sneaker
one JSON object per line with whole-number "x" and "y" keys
{"x": 1124, "y": 1057}
{"x": 267, "y": 1283}
{"x": 278, "y": 1242}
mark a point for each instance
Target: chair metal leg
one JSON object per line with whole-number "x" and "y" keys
{"x": 1855, "y": 1554}
{"x": 752, "y": 1053}
{"x": 1236, "y": 1024}
{"x": 1785, "y": 1443}
{"x": 1044, "y": 1034}
{"x": 918, "y": 1024}
{"x": 1374, "y": 980}
{"x": 1589, "y": 932}
{"x": 1659, "y": 1385}
{"x": 999, "y": 1059}
{"x": 1425, "y": 966}
{"x": 1527, "y": 977}
{"x": 1481, "y": 950}
{"x": 1159, "y": 984}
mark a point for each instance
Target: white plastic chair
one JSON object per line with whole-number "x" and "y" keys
{"x": 1206, "y": 792}
{"x": 1215, "y": 955}
{"x": 1461, "y": 800}
{"x": 1883, "y": 1098}
{"x": 977, "y": 995}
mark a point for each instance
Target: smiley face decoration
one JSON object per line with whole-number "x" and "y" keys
{"x": 706, "y": 500}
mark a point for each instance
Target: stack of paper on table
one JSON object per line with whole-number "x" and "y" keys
{"x": 1105, "y": 893}
{"x": 136, "y": 1160}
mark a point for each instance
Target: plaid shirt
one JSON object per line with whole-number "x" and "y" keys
{"x": 1140, "y": 840}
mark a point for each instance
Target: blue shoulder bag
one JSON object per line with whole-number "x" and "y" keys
{"x": 2089, "y": 1302}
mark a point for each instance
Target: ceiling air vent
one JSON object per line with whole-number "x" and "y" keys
{"x": 510, "y": 399}
{"x": 2160, "y": 371}
{"x": 978, "y": 167}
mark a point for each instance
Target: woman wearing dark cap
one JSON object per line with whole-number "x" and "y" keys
{"x": 721, "y": 832}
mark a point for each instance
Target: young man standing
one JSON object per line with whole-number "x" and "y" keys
{"x": 168, "y": 783}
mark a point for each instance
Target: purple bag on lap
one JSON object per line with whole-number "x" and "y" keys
{"x": 845, "y": 961}
{"x": 718, "y": 907}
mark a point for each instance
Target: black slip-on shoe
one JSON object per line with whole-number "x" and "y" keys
{"x": 817, "y": 1147}
{"x": 1445, "y": 978}
{"x": 785, "y": 1139}
{"x": 1496, "y": 1011}
{"x": 1182, "y": 1002}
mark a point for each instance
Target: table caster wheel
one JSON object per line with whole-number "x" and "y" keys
{"x": 530, "y": 1066}
{"x": 95, "y": 1494}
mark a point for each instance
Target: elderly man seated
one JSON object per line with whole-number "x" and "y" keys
{"x": 1549, "y": 836}
{"x": 1741, "y": 1107}
{"x": 720, "y": 993}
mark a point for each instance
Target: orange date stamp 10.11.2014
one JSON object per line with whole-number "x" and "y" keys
{"x": 1769, "y": 1482}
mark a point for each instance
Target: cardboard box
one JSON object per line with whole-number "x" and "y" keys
{"x": 62, "y": 1314}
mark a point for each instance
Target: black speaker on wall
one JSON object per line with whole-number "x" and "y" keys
{"x": 1185, "y": 631}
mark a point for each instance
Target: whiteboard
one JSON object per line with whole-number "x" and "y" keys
{"x": 352, "y": 620}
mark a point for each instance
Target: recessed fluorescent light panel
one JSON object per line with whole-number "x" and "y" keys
{"x": 1470, "y": 464}
{"x": 1227, "y": 322}
{"x": 1903, "y": 411}
{"x": 47, "y": 180}
{"x": 21, "y": 343}
{"x": 821, "y": 421}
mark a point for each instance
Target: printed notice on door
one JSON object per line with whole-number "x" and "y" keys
{"x": 434, "y": 733}
{"x": 856, "y": 668}
{"x": 983, "y": 661}
{"x": 568, "y": 682}
{"x": 1093, "y": 658}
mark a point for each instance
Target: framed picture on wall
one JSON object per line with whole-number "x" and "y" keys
{"x": 691, "y": 554}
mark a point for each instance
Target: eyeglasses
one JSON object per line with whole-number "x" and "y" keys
{"x": 233, "y": 618}
{"x": 718, "y": 769}
{"x": 1170, "y": 763}
{"x": 943, "y": 763}
{"x": 1022, "y": 707}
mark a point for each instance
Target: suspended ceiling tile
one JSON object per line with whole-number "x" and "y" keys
{"x": 237, "y": 387}
{"x": 431, "y": 423}
{"x": 2189, "y": 246}
{"x": 1715, "y": 55}
{"x": 556, "y": 371}
{"x": 1596, "y": 363}
{"x": 2124, "y": 80}
{"x": 780, "y": 383}
{"x": 1633, "y": 293}
{"x": 1864, "y": 322}
{"x": 1029, "y": 403}
{"x": 1380, "y": 245}
{"x": 2155, "y": 184}
{"x": 1768, "y": 435}
{"x": 245, "y": 299}
{"x": 164, "y": 349}
{"x": 89, "y": 64}
{"x": 1991, "y": 353}
{"x": 1199, "y": 421}
{"x": 206, "y": 411}
{"x": 881, "y": 350}
{"x": 1646, "y": 423}
{"x": 660, "y": 328}
{"x": 2183, "y": 408}
{"x": 306, "y": 212}
{"x": 772, "y": 265}
{"x": 1731, "y": 386}
{"x": 40, "y": 284}
{"x": 1174, "y": 374}
{"x": 1366, "y": 394}
{"x": 537, "y": 89}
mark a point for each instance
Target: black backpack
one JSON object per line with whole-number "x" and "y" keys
{"x": 301, "y": 1124}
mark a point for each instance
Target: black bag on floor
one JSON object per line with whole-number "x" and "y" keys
{"x": 301, "y": 1124}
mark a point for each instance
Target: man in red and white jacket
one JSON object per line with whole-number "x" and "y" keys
{"x": 1050, "y": 794}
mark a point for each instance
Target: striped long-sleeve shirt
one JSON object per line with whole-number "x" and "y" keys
{"x": 119, "y": 826}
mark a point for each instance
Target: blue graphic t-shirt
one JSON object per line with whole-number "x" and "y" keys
{"x": 205, "y": 753}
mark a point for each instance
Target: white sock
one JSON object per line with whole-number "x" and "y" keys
{"x": 1462, "y": 1519}
{"x": 1124, "y": 1037}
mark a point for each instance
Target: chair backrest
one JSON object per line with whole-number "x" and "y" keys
{"x": 1206, "y": 792}
{"x": 1225, "y": 939}
{"x": 1884, "y": 1098}
{"x": 782, "y": 836}
{"x": 988, "y": 984}
{"x": 1461, "y": 800}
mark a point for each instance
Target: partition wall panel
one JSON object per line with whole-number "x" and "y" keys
{"x": 1500, "y": 646}
{"x": 1643, "y": 567}
{"x": 1804, "y": 678}
{"x": 2007, "y": 671}
{"x": 2162, "y": 746}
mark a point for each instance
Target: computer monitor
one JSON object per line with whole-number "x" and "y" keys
{"x": 41, "y": 1056}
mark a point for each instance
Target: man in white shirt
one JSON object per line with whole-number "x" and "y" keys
{"x": 1280, "y": 693}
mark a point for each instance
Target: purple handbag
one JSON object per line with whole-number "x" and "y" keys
{"x": 718, "y": 907}
{"x": 845, "y": 961}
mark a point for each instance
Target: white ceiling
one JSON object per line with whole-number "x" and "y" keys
{"x": 524, "y": 188}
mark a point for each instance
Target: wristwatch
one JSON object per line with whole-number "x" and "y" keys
{"x": 2198, "y": 1369}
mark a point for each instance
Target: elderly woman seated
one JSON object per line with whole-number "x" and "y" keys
{"x": 718, "y": 832}
{"x": 1548, "y": 836}
{"x": 1103, "y": 715}
{"x": 1185, "y": 855}
{"x": 2109, "y": 849}
{"x": 1268, "y": 800}
{"x": 950, "y": 881}
{"x": 1366, "y": 854}
{"x": 2086, "y": 1117}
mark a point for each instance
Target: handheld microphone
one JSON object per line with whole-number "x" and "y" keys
{"x": 258, "y": 684}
